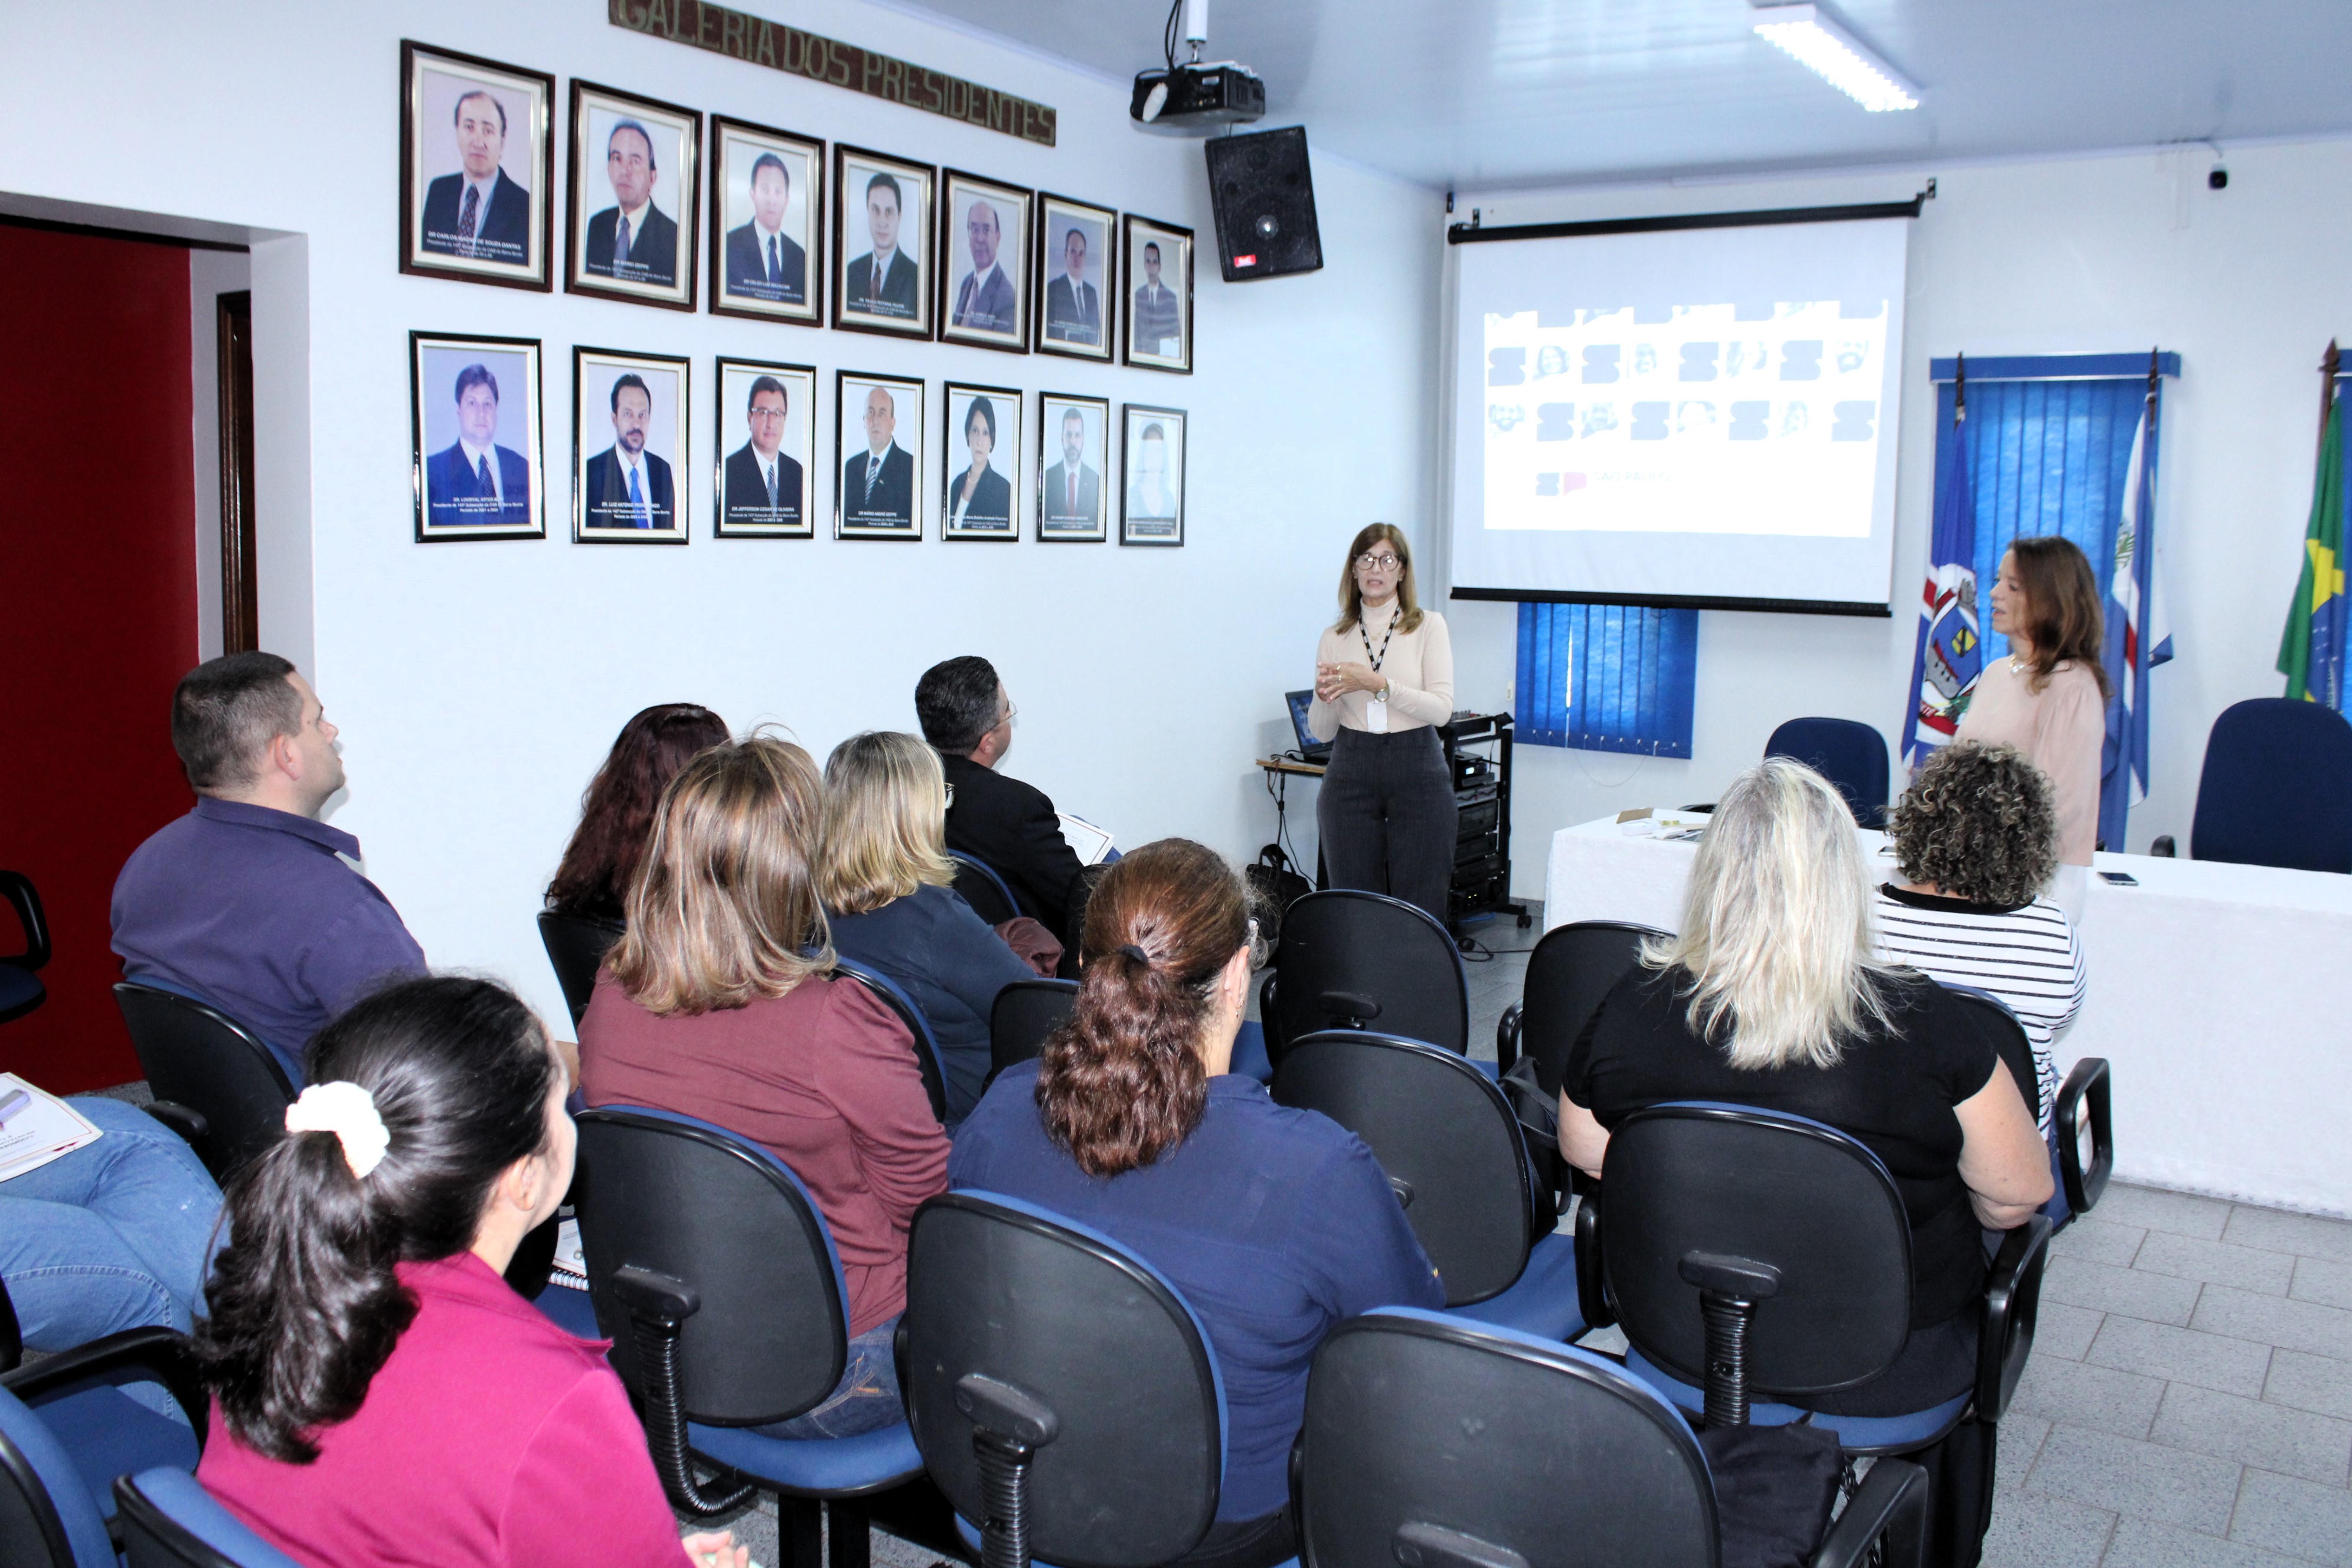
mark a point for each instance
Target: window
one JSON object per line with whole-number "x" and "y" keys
{"x": 1607, "y": 678}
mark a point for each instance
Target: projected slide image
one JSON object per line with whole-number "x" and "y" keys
{"x": 1734, "y": 419}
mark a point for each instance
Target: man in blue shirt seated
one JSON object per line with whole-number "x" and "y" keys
{"x": 250, "y": 902}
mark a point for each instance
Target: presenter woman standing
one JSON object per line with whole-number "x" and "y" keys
{"x": 1383, "y": 677}
{"x": 2049, "y": 697}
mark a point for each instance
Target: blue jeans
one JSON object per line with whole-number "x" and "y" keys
{"x": 865, "y": 1400}
{"x": 117, "y": 1235}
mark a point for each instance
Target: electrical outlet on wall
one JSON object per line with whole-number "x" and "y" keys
{"x": 1511, "y": 696}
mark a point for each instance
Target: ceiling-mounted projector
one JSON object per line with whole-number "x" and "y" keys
{"x": 1194, "y": 99}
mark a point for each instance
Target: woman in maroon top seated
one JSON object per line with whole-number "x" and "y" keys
{"x": 380, "y": 1395}
{"x": 717, "y": 1005}
{"x": 616, "y": 814}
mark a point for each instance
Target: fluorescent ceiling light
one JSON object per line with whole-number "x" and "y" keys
{"x": 1821, "y": 45}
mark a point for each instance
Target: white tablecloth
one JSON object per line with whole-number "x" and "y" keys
{"x": 2217, "y": 992}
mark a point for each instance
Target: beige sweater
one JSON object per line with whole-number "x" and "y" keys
{"x": 2061, "y": 729}
{"x": 1419, "y": 662}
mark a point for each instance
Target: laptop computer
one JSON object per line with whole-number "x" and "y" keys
{"x": 1309, "y": 748}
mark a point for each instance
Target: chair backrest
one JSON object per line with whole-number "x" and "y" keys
{"x": 927, "y": 1044}
{"x": 21, "y": 895}
{"x": 1794, "y": 1194}
{"x": 1445, "y": 1136}
{"x": 576, "y": 946}
{"x": 47, "y": 1518}
{"x": 1849, "y": 753}
{"x": 679, "y": 1198}
{"x": 1570, "y": 970}
{"x": 1449, "y": 1443}
{"x": 1026, "y": 1012}
{"x": 979, "y": 886}
{"x": 2272, "y": 791}
{"x": 198, "y": 1056}
{"x": 1341, "y": 948}
{"x": 999, "y": 1289}
{"x": 169, "y": 1520}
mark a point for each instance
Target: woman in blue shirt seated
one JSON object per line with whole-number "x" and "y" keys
{"x": 1274, "y": 1224}
{"x": 883, "y": 878}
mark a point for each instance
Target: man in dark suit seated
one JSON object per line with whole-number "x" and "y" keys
{"x": 967, "y": 719}
{"x": 763, "y": 486}
{"x": 882, "y": 281}
{"x": 624, "y": 486}
{"x": 1073, "y": 491}
{"x": 481, "y": 214}
{"x": 878, "y": 485}
{"x": 1073, "y": 305}
{"x": 476, "y": 481}
{"x": 632, "y": 242}
{"x": 984, "y": 298}
{"x": 762, "y": 263}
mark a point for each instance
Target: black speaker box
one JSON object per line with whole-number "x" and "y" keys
{"x": 1264, "y": 201}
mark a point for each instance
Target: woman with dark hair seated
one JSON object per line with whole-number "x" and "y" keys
{"x": 717, "y": 1005}
{"x": 1976, "y": 838}
{"x": 1274, "y": 1224}
{"x": 380, "y": 1395}
{"x": 617, "y": 812}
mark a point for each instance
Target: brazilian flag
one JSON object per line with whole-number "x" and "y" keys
{"x": 2311, "y": 654}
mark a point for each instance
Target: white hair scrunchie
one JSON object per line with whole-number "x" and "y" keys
{"x": 349, "y": 1112}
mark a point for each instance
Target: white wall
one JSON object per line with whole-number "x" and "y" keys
{"x": 2110, "y": 255}
{"x": 477, "y": 685}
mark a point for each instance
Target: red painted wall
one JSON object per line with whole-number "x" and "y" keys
{"x": 97, "y": 609}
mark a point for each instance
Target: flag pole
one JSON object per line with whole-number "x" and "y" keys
{"x": 2331, "y": 365}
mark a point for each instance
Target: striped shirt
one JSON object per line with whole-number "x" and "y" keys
{"x": 2029, "y": 956}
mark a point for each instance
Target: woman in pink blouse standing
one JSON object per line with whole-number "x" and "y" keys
{"x": 2049, "y": 697}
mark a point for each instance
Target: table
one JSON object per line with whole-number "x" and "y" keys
{"x": 2216, "y": 991}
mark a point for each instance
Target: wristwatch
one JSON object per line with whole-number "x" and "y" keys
{"x": 1387, "y": 686}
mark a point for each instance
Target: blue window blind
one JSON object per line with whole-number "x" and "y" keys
{"x": 1607, "y": 678}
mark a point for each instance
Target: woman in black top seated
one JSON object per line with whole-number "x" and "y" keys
{"x": 616, "y": 814}
{"x": 1772, "y": 997}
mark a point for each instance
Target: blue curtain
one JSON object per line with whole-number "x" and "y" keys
{"x": 1607, "y": 678}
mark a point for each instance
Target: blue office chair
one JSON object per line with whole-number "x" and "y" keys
{"x": 979, "y": 886}
{"x": 713, "y": 1272}
{"x": 1026, "y": 1012}
{"x": 1850, "y": 754}
{"x": 169, "y": 1520}
{"x": 21, "y": 990}
{"x": 1065, "y": 1396}
{"x": 2272, "y": 790}
{"x": 2082, "y": 1119}
{"x": 216, "y": 1083}
{"x": 927, "y": 1044}
{"x": 1438, "y": 1442}
{"x": 1452, "y": 1149}
{"x": 1351, "y": 960}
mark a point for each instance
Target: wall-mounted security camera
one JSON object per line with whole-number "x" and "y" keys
{"x": 2219, "y": 180}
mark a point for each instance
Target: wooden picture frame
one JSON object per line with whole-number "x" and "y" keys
{"x": 1151, "y": 496}
{"x": 740, "y": 184}
{"x": 882, "y": 500}
{"x": 899, "y": 304}
{"x": 602, "y": 411}
{"x": 992, "y": 511}
{"x": 658, "y": 265}
{"x": 512, "y": 241}
{"x": 991, "y": 311}
{"x": 1076, "y": 321}
{"x": 740, "y": 505}
{"x": 1154, "y": 305}
{"x": 469, "y": 391}
{"x": 1065, "y": 513}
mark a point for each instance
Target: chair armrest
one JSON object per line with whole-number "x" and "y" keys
{"x": 2088, "y": 1087}
{"x": 163, "y": 1353}
{"x": 2164, "y": 847}
{"x": 2012, "y": 1302}
{"x": 1591, "y": 1289}
{"x": 185, "y": 1119}
{"x": 18, "y": 889}
{"x": 1507, "y": 1040}
{"x": 1892, "y": 1504}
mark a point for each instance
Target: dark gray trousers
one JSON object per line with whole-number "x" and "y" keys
{"x": 1387, "y": 816}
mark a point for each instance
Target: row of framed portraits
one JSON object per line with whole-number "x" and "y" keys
{"x": 916, "y": 251}
{"x": 478, "y": 471}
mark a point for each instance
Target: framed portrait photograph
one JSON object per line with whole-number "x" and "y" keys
{"x": 1158, "y": 295}
{"x": 979, "y": 479}
{"x": 767, "y": 223}
{"x": 474, "y": 443}
{"x": 635, "y": 198}
{"x": 1076, "y": 277}
{"x": 878, "y": 437}
{"x": 1153, "y": 461}
{"x": 629, "y": 416}
{"x": 881, "y": 208}
{"x": 984, "y": 247}
{"x": 1072, "y": 468}
{"x": 477, "y": 169}
{"x": 764, "y": 452}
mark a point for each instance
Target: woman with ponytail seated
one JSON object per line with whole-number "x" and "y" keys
{"x": 1274, "y": 1224}
{"x": 380, "y": 1395}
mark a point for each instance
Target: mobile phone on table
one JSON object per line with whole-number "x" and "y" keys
{"x": 2119, "y": 879}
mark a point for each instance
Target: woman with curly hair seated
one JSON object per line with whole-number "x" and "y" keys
{"x": 1976, "y": 838}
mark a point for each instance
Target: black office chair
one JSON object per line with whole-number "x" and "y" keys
{"x": 977, "y": 881}
{"x": 713, "y": 1274}
{"x": 1569, "y": 973}
{"x": 214, "y": 1083}
{"x": 1026, "y": 1012}
{"x": 927, "y": 1044}
{"x": 169, "y": 1520}
{"x": 2272, "y": 792}
{"x": 1850, "y": 754}
{"x": 21, "y": 990}
{"x": 1439, "y": 1443}
{"x": 1351, "y": 960}
{"x": 576, "y": 946}
{"x": 1063, "y": 1396}
{"x": 1443, "y": 1131}
{"x": 2082, "y": 1121}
